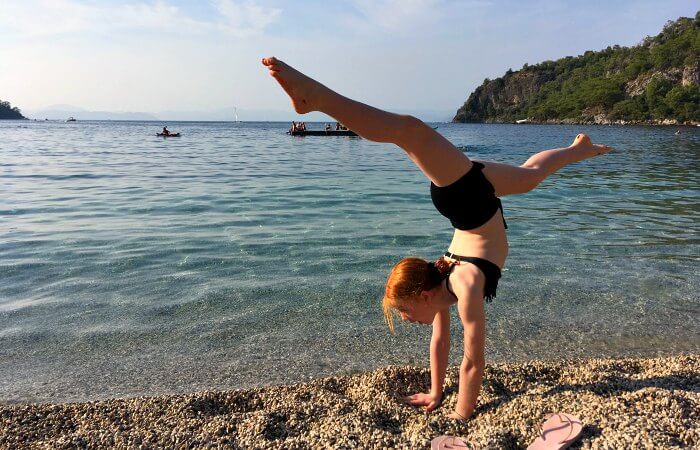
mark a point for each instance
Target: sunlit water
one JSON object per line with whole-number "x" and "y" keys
{"x": 238, "y": 256}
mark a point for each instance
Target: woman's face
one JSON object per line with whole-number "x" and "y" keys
{"x": 418, "y": 310}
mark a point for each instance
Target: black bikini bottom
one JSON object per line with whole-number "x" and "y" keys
{"x": 468, "y": 202}
{"x": 491, "y": 272}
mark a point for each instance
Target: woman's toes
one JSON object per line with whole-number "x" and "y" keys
{"x": 602, "y": 149}
{"x": 270, "y": 61}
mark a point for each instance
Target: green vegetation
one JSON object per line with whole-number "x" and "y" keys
{"x": 655, "y": 80}
{"x": 7, "y": 112}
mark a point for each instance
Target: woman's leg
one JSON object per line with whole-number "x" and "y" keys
{"x": 439, "y": 160}
{"x": 508, "y": 180}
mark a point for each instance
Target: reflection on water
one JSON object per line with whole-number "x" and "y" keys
{"x": 238, "y": 256}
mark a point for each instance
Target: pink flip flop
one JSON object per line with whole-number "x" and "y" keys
{"x": 557, "y": 432}
{"x": 452, "y": 443}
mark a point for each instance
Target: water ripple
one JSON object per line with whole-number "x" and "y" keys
{"x": 237, "y": 251}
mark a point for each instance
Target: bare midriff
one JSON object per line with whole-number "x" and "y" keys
{"x": 489, "y": 241}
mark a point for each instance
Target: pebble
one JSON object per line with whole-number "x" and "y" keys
{"x": 633, "y": 403}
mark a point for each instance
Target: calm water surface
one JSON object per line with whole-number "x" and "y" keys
{"x": 238, "y": 256}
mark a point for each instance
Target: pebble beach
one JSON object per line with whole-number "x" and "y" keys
{"x": 629, "y": 403}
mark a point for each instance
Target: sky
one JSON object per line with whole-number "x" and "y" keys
{"x": 197, "y": 56}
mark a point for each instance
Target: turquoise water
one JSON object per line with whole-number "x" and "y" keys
{"x": 238, "y": 256}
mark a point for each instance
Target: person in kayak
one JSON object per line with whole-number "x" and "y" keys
{"x": 465, "y": 191}
{"x": 165, "y": 131}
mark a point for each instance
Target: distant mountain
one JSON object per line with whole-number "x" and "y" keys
{"x": 69, "y": 108}
{"x": 229, "y": 115}
{"x": 62, "y": 112}
{"x": 653, "y": 82}
{"x": 8, "y": 112}
{"x": 273, "y": 115}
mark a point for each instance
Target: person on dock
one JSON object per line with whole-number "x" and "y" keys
{"x": 465, "y": 191}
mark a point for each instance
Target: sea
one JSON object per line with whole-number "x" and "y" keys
{"x": 236, "y": 256}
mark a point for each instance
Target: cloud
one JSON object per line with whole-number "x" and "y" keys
{"x": 398, "y": 15}
{"x": 411, "y": 16}
{"x": 41, "y": 18}
{"x": 157, "y": 16}
{"x": 245, "y": 19}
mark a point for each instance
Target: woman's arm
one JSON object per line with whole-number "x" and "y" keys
{"x": 471, "y": 371}
{"x": 439, "y": 353}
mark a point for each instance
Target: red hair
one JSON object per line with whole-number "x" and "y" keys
{"x": 408, "y": 279}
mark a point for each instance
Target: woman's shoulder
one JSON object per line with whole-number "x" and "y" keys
{"x": 467, "y": 281}
{"x": 466, "y": 272}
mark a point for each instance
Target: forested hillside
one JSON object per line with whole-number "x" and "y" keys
{"x": 653, "y": 82}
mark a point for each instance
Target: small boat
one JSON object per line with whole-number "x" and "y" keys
{"x": 168, "y": 135}
{"x": 521, "y": 121}
{"x": 71, "y": 119}
{"x": 322, "y": 133}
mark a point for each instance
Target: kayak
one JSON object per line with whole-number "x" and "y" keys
{"x": 322, "y": 133}
{"x": 168, "y": 135}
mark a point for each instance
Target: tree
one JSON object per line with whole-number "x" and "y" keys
{"x": 684, "y": 102}
{"x": 633, "y": 109}
{"x": 8, "y": 112}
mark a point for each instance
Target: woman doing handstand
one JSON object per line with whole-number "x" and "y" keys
{"x": 467, "y": 193}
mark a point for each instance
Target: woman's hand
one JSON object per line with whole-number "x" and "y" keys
{"x": 428, "y": 401}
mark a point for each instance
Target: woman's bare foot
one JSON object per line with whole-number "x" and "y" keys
{"x": 583, "y": 143}
{"x": 304, "y": 92}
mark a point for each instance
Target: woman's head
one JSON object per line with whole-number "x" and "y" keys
{"x": 407, "y": 289}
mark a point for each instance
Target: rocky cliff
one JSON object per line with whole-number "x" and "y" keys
{"x": 656, "y": 81}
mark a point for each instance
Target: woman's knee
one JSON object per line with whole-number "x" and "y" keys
{"x": 533, "y": 176}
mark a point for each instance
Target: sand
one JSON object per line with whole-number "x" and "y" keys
{"x": 623, "y": 403}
